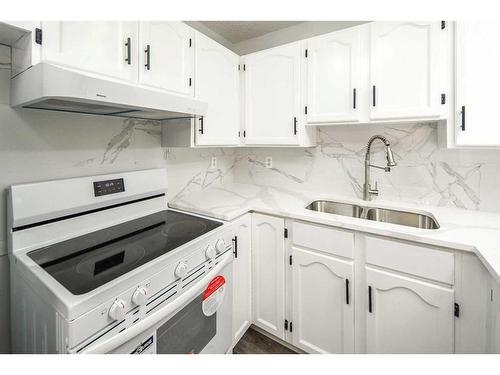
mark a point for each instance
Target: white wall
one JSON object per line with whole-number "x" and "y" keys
{"x": 42, "y": 145}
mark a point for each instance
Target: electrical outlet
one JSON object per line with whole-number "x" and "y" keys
{"x": 269, "y": 162}
{"x": 213, "y": 162}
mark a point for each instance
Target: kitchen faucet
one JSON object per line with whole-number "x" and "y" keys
{"x": 368, "y": 191}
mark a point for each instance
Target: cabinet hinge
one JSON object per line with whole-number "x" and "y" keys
{"x": 285, "y": 232}
{"x": 290, "y": 260}
{"x": 190, "y": 42}
{"x": 306, "y": 53}
{"x": 456, "y": 310}
{"x": 443, "y": 98}
{"x": 305, "y": 109}
{"x": 286, "y": 325}
{"x": 443, "y": 25}
{"x": 235, "y": 247}
{"x": 38, "y": 36}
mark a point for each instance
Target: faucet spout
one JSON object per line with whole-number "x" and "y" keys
{"x": 368, "y": 191}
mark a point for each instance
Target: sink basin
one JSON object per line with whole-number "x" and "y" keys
{"x": 406, "y": 218}
{"x": 337, "y": 208}
{"x": 409, "y": 219}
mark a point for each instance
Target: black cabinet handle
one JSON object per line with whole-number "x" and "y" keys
{"x": 235, "y": 247}
{"x": 354, "y": 98}
{"x": 463, "y": 118}
{"x": 201, "y": 125}
{"x": 370, "y": 299}
{"x": 295, "y": 126}
{"x": 128, "y": 44}
{"x": 347, "y": 291}
{"x": 148, "y": 57}
{"x": 374, "y": 95}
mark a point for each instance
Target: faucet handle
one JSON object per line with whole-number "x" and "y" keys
{"x": 374, "y": 191}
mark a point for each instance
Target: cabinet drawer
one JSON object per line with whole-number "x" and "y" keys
{"x": 332, "y": 241}
{"x": 413, "y": 259}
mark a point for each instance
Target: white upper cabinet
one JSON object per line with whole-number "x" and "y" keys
{"x": 404, "y": 70}
{"x": 477, "y": 81}
{"x": 268, "y": 273}
{"x": 323, "y": 313}
{"x": 166, "y": 56}
{"x": 104, "y": 48}
{"x": 407, "y": 315}
{"x": 334, "y": 77}
{"x": 217, "y": 83}
{"x": 272, "y": 95}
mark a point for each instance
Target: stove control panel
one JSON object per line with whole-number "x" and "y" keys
{"x": 109, "y": 187}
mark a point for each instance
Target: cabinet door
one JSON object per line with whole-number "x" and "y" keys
{"x": 404, "y": 66}
{"x": 268, "y": 276}
{"x": 218, "y": 84}
{"x": 333, "y": 77}
{"x": 408, "y": 315}
{"x": 272, "y": 95}
{"x": 242, "y": 277}
{"x": 493, "y": 326}
{"x": 170, "y": 56}
{"x": 477, "y": 60}
{"x": 323, "y": 313}
{"x": 96, "y": 47}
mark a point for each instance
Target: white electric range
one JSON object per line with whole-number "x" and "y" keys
{"x": 100, "y": 265}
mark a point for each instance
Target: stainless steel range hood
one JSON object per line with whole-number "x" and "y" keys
{"x": 51, "y": 87}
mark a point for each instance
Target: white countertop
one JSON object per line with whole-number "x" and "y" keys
{"x": 465, "y": 230}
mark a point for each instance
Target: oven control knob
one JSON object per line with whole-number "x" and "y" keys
{"x": 140, "y": 296}
{"x": 117, "y": 310}
{"x": 210, "y": 252}
{"x": 181, "y": 270}
{"x": 220, "y": 245}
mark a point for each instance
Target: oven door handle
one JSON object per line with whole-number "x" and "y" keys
{"x": 121, "y": 338}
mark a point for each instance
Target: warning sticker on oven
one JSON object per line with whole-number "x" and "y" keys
{"x": 213, "y": 295}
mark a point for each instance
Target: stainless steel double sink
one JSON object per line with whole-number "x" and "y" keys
{"x": 384, "y": 215}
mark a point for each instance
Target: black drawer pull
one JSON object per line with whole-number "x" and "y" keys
{"x": 128, "y": 44}
{"x": 148, "y": 57}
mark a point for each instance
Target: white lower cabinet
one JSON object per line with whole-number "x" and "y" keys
{"x": 322, "y": 312}
{"x": 268, "y": 276}
{"x": 242, "y": 277}
{"x": 407, "y": 315}
{"x": 493, "y": 325}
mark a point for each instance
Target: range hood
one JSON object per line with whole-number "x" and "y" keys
{"x": 51, "y": 87}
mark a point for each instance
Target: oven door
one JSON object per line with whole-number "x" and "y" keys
{"x": 198, "y": 321}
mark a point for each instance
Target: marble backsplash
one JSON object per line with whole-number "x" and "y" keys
{"x": 426, "y": 173}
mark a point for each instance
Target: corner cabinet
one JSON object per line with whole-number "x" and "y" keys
{"x": 334, "y": 77}
{"x": 106, "y": 48}
{"x": 242, "y": 277}
{"x": 404, "y": 70}
{"x": 268, "y": 276}
{"x": 218, "y": 84}
{"x": 476, "y": 83}
{"x": 273, "y": 113}
{"x": 166, "y": 56}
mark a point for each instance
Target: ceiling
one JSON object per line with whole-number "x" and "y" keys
{"x": 238, "y": 31}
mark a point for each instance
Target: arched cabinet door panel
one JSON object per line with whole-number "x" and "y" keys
{"x": 268, "y": 273}
{"x": 404, "y": 70}
{"x": 323, "y": 303}
{"x": 406, "y": 315}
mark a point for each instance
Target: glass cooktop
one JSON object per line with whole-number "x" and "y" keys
{"x": 87, "y": 262}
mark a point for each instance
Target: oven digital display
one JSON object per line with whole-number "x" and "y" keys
{"x": 109, "y": 187}
{"x": 109, "y": 262}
